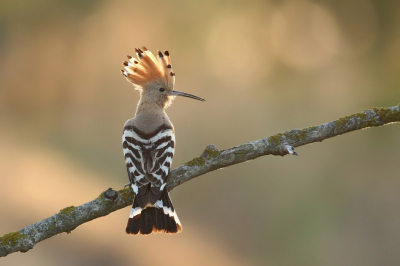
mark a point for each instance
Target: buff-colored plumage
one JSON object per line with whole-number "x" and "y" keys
{"x": 148, "y": 69}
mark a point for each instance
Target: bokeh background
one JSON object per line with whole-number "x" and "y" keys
{"x": 264, "y": 67}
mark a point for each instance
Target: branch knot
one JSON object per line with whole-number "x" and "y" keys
{"x": 110, "y": 194}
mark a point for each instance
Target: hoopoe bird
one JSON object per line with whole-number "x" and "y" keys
{"x": 148, "y": 142}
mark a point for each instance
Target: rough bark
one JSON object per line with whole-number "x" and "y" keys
{"x": 211, "y": 159}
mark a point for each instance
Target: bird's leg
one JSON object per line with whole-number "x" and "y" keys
{"x": 128, "y": 185}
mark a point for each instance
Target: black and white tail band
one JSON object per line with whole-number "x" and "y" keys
{"x": 158, "y": 218}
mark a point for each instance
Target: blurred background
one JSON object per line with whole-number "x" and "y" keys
{"x": 264, "y": 67}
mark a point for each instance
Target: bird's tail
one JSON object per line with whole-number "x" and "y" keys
{"x": 158, "y": 218}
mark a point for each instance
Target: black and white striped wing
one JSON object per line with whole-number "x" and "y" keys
{"x": 133, "y": 160}
{"x": 148, "y": 159}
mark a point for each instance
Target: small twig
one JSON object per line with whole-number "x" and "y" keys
{"x": 211, "y": 159}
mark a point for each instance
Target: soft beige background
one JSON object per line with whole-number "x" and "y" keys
{"x": 264, "y": 67}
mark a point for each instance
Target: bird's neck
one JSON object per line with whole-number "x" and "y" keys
{"x": 150, "y": 116}
{"x": 150, "y": 108}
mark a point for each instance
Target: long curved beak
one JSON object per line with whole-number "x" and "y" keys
{"x": 179, "y": 93}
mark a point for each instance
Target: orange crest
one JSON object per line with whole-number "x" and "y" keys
{"x": 147, "y": 68}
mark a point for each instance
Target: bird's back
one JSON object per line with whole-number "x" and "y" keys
{"x": 149, "y": 144}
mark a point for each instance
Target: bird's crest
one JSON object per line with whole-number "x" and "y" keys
{"x": 147, "y": 68}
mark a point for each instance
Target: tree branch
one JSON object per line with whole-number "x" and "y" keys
{"x": 211, "y": 159}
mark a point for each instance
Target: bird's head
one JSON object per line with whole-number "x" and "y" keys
{"x": 153, "y": 77}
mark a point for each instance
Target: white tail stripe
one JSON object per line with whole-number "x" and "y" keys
{"x": 175, "y": 214}
{"x": 167, "y": 211}
{"x": 135, "y": 211}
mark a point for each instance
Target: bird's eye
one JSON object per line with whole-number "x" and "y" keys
{"x": 161, "y": 89}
